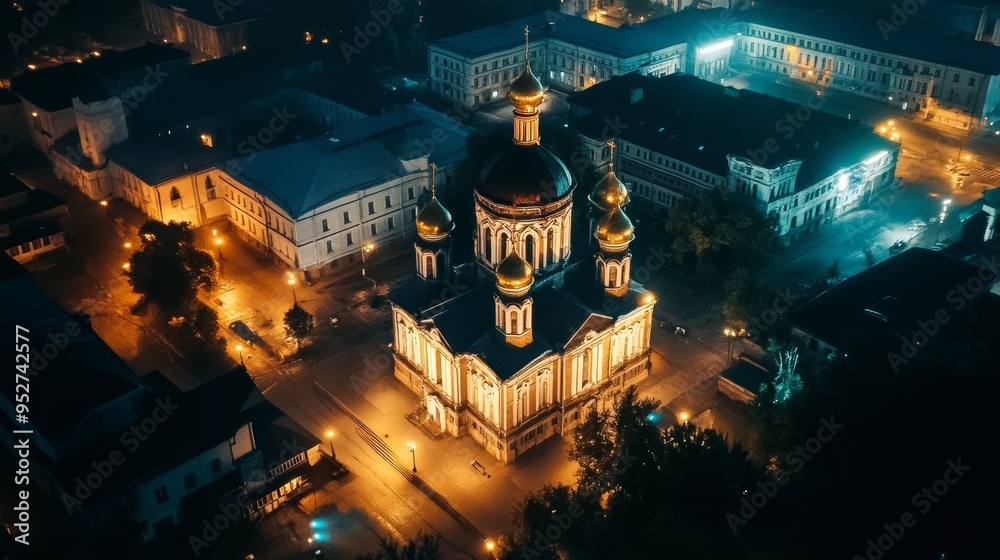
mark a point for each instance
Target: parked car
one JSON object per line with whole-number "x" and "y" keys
{"x": 897, "y": 247}
{"x": 244, "y": 332}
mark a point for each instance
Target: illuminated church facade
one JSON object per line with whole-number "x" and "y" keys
{"x": 520, "y": 344}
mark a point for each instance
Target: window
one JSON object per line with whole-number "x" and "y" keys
{"x": 374, "y": 229}
{"x": 209, "y": 189}
{"x": 388, "y": 201}
{"x": 326, "y": 225}
{"x": 190, "y": 480}
{"x": 972, "y": 82}
{"x": 954, "y": 78}
{"x": 347, "y": 218}
{"x": 371, "y": 208}
{"x": 409, "y": 193}
{"x": 161, "y": 494}
{"x": 214, "y": 465}
{"x": 175, "y": 197}
{"x": 392, "y": 223}
{"x": 350, "y": 239}
{"x": 329, "y": 246}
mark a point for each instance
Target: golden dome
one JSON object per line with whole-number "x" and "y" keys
{"x": 434, "y": 219}
{"x": 609, "y": 192}
{"x": 526, "y": 92}
{"x": 615, "y": 228}
{"x": 514, "y": 273}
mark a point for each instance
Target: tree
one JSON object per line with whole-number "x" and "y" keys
{"x": 422, "y": 547}
{"x": 201, "y": 326}
{"x": 168, "y": 270}
{"x": 721, "y": 234}
{"x": 744, "y": 299}
{"x": 298, "y": 324}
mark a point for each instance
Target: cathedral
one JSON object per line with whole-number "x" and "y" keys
{"x": 520, "y": 344}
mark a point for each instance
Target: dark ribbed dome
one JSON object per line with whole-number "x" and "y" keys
{"x": 525, "y": 175}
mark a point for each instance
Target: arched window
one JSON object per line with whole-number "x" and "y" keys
{"x": 429, "y": 266}
{"x": 488, "y": 244}
{"x": 549, "y": 247}
{"x": 529, "y": 249}
{"x": 613, "y": 270}
{"x": 440, "y": 265}
{"x": 175, "y": 197}
{"x": 209, "y": 189}
{"x": 585, "y": 374}
{"x": 504, "y": 245}
{"x": 515, "y": 322}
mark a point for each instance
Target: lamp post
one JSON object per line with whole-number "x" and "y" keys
{"x": 291, "y": 282}
{"x": 239, "y": 348}
{"x": 731, "y": 336}
{"x": 218, "y": 242}
{"x": 329, "y": 435}
{"x": 413, "y": 452}
{"x": 941, "y": 217}
{"x": 364, "y": 260}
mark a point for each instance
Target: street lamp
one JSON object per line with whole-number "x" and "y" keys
{"x": 291, "y": 282}
{"x": 413, "y": 452}
{"x": 239, "y": 348}
{"x": 218, "y": 243}
{"x": 128, "y": 245}
{"x": 731, "y": 336}
{"x": 364, "y": 259}
{"x": 329, "y": 435}
{"x": 944, "y": 212}
{"x": 683, "y": 417}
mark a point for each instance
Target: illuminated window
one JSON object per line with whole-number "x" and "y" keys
{"x": 175, "y": 197}
{"x": 206, "y": 139}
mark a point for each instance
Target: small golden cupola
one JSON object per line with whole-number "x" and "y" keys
{"x": 514, "y": 275}
{"x": 609, "y": 191}
{"x": 433, "y": 245}
{"x": 614, "y": 232}
{"x": 434, "y": 220}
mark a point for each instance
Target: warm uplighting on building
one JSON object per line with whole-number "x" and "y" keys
{"x": 34, "y": 114}
{"x": 490, "y": 545}
{"x": 648, "y": 298}
{"x": 683, "y": 417}
{"x": 104, "y": 203}
{"x": 206, "y": 139}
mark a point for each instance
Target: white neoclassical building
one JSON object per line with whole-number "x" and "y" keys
{"x": 518, "y": 345}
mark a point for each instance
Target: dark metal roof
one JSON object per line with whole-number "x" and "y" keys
{"x": 525, "y": 175}
{"x": 885, "y": 302}
{"x": 54, "y": 88}
{"x": 567, "y": 305}
{"x": 701, "y": 123}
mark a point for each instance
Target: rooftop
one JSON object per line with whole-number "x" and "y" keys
{"x": 625, "y": 41}
{"x": 36, "y": 201}
{"x": 915, "y": 42}
{"x": 885, "y": 302}
{"x": 54, "y": 88}
{"x": 701, "y": 123}
{"x": 305, "y": 175}
{"x": 155, "y": 160}
{"x": 567, "y": 305}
